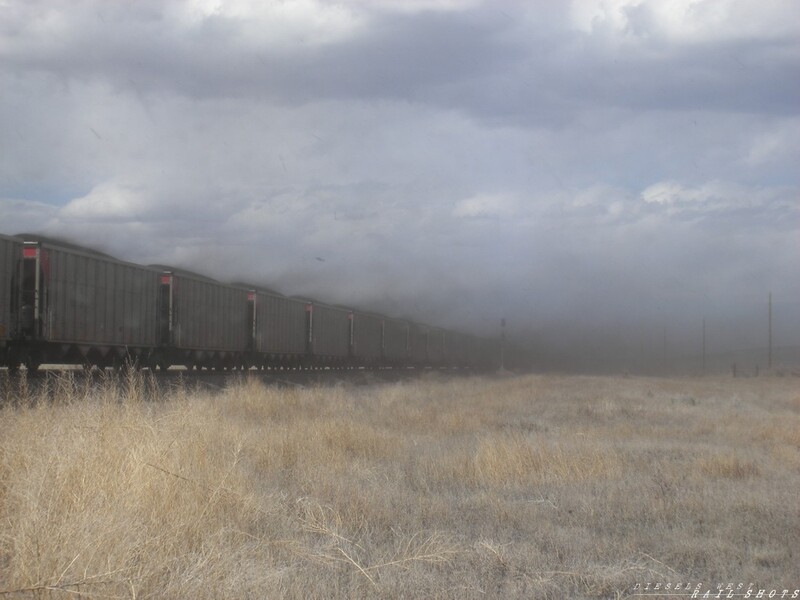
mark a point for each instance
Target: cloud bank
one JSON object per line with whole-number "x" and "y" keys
{"x": 583, "y": 169}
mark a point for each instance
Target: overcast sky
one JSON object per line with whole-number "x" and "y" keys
{"x": 589, "y": 162}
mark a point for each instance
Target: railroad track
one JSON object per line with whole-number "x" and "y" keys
{"x": 49, "y": 382}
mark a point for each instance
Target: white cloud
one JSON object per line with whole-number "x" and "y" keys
{"x": 414, "y": 6}
{"x": 274, "y": 24}
{"x": 486, "y": 206}
{"x": 109, "y": 202}
{"x": 734, "y": 204}
{"x": 776, "y": 144}
{"x": 671, "y": 192}
{"x": 694, "y": 21}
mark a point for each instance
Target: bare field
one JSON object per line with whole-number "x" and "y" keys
{"x": 534, "y": 487}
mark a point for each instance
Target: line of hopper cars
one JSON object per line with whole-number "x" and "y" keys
{"x": 61, "y": 304}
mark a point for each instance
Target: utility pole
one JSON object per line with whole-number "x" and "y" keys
{"x": 502, "y": 344}
{"x": 704, "y": 345}
{"x": 769, "y": 352}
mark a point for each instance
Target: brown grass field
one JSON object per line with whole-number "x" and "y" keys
{"x": 516, "y": 487}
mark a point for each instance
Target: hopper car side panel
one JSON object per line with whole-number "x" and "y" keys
{"x": 209, "y": 316}
{"x": 418, "y": 343}
{"x": 89, "y": 300}
{"x": 281, "y": 324}
{"x": 368, "y": 333}
{"x": 330, "y": 332}
{"x": 435, "y": 345}
{"x": 453, "y": 347}
{"x": 395, "y": 340}
{"x": 76, "y": 306}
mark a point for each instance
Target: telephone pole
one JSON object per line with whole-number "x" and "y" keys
{"x": 502, "y": 344}
{"x": 769, "y": 321}
{"x": 704, "y": 345}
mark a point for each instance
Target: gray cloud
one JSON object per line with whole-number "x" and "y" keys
{"x": 569, "y": 167}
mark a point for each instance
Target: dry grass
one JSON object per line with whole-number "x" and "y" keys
{"x": 539, "y": 486}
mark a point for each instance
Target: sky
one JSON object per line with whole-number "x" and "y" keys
{"x": 597, "y": 173}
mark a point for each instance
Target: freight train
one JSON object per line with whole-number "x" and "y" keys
{"x": 64, "y": 304}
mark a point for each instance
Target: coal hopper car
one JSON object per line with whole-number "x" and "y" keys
{"x": 395, "y": 342}
{"x": 65, "y": 304}
{"x": 328, "y": 334}
{"x": 78, "y": 306}
{"x": 367, "y": 338}
{"x": 280, "y": 329}
{"x": 436, "y": 346}
{"x": 202, "y": 322}
{"x": 417, "y": 344}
